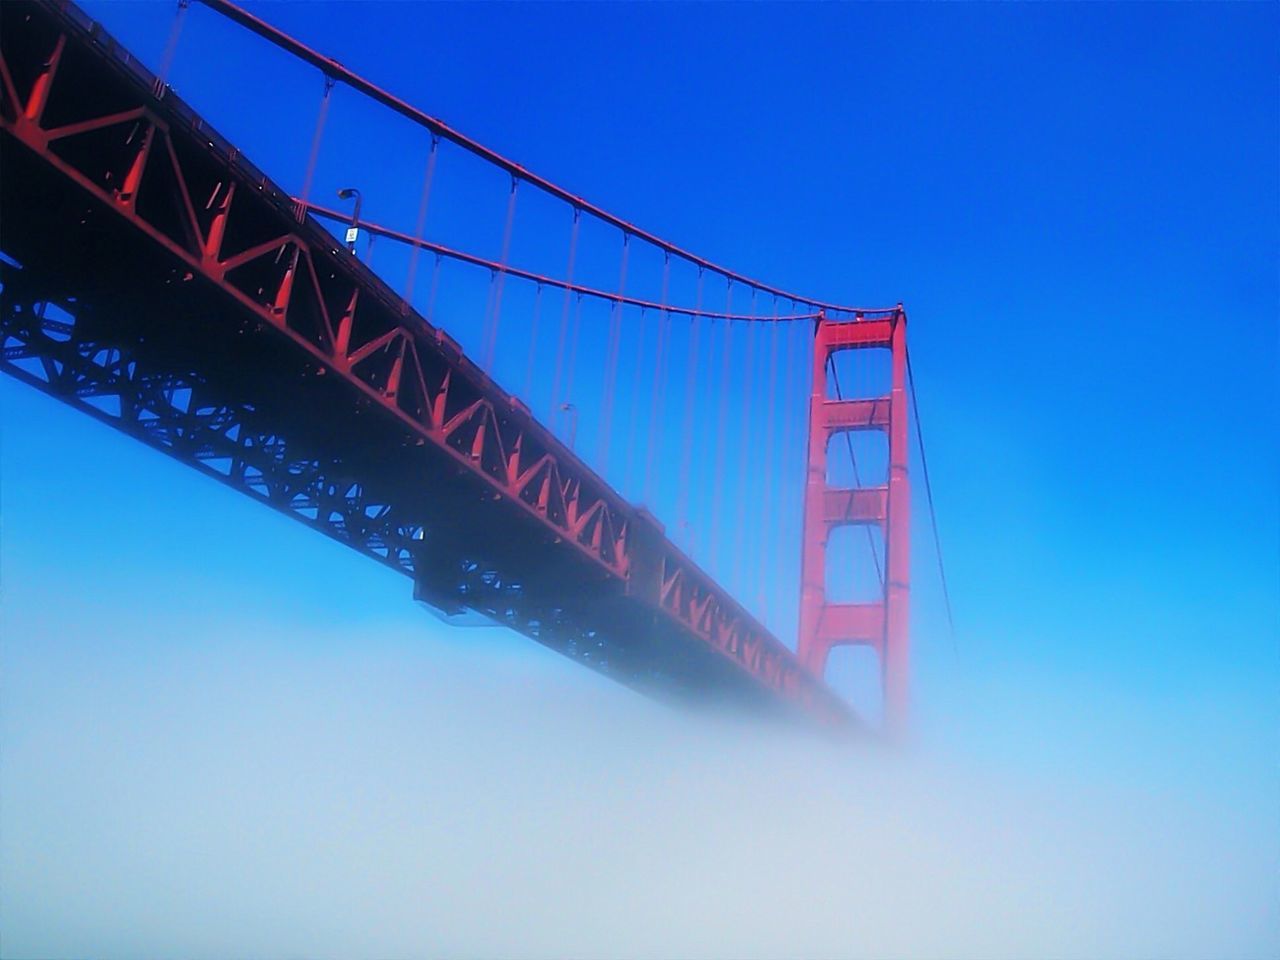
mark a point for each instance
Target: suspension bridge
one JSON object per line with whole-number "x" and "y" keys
{"x": 543, "y": 415}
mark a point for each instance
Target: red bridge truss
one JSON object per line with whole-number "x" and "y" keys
{"x": 157, "y": 280}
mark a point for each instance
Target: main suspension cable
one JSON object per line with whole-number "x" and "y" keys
{"x": 611, "y": 297}
{"x": 336, "y": 72}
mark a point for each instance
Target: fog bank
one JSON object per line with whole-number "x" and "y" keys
{"x": 234, "y": 798}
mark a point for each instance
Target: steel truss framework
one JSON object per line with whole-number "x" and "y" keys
{"x": 164, "y": 284}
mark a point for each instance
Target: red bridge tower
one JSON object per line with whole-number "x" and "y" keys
{"x": 882, "y": 624}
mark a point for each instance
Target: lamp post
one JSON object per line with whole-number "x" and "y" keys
{"x": 353, "y": 231}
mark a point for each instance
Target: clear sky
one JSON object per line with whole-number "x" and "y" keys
{"x": 1078, "y": 205}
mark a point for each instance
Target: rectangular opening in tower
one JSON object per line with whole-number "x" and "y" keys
{"x": 859, "y": 373}
{"x": 857, "y": 459}
{"x": 855, "y": 567}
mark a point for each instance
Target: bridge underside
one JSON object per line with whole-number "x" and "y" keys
{"x": 90, "y": 315}
{"x": 237, "y": 337}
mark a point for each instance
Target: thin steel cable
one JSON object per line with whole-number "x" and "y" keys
{"x": 315, "y": 147}
{"x": 427, "y": 180}
{"x": 611, "y": 361}
{"x": 633, "y": 419}
{"x": 326, "y": 213}
{"x": 485, "y": 358}
{"x": 691, "y": 383}
{"x": 740, "y": 535}
{"x": 435, "y": 288}
{"x": 533, "y": 343}
{"x": 714, "y": 343}
{"x": 933, "y": 515}
{"x": 659, "y": 381}
{"x": 573, "y": 350}
{"x": 767, "y": 508}
{"x": 786, "y": 442}
{"x": 722, "y": 417}
{"x": 808, "y": 350}
{"x": 171, "y": 47}
{"x": 500, "y": 276}
{"x": 564, "y": 314}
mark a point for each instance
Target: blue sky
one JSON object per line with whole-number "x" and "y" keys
{"x": 1078, "y": 205}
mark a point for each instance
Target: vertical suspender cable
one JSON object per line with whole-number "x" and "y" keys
{"x": 722, "y": 416}
{"x": 746, "y": 490}
{"x": 427, "y": 178}
{"x": 767, "y": 509}
{"x": 564, "y": 314}
{"x": 171, "y": 47}
{"x": 691, "y": 383}
{"x": 315, "y": 148}
{"x": 633, "y": 426}
{"x": 804, "y": 392}
{"x": 711, "y": 513}
{"x": 533, "y": 343}
{"x": 659, "y": 381}
{"x": 611, "y": 360}
{"x": 435, "y": 288}
{"x": 499, "y": 276}
{"x": 573, "y": 349}
{"x": 790, "y": 415}
{"x": 485, "y": 359}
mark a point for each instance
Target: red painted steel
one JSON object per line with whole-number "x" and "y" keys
{"x": 882, "y": 625}
{"x": 165, "y": 238}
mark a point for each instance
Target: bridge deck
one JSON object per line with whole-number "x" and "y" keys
{"x": 160, "y": 282}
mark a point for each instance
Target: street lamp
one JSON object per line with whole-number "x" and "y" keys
{"x": 353, "y": 231}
